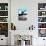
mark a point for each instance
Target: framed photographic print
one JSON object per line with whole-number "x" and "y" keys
{"x": 42, "y": 32}
{"x": 22, "y": 14}
{"x": 4, "y": 29}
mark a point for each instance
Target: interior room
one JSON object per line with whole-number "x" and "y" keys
{"x": 22, "y": 22}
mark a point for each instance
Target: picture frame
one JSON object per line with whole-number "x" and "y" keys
{"x": 22, "y": 14}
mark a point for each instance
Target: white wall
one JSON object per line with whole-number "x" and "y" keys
{"x": 32, "y": 5}
{"x": 32, "y": 13}
{"x": 22, "y": 26}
